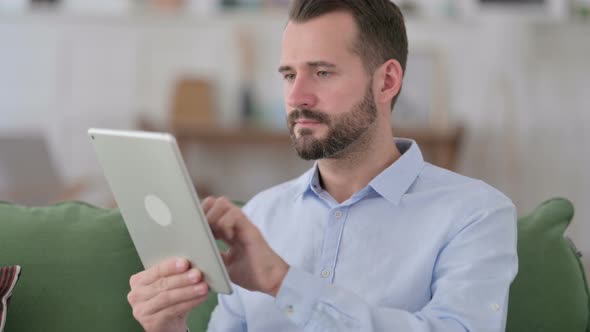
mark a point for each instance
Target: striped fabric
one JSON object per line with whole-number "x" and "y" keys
{"x": 8, "y": 278}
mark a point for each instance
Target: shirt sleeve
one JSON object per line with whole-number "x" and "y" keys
{"x": 470, "y": 284}
{"x": 228, "y": 315}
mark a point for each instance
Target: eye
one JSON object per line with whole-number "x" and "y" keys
{"x": 289, "y": 77}
{"x": 323, "y": 73}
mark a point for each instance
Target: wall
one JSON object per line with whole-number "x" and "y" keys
{"x": 518, "y": 86}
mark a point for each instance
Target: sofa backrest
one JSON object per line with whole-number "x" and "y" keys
{"x": 76, "y": 262}
{"x": 550, "y": 292}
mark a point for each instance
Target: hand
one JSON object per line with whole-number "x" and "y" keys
{"x": 162, "y": 296}
{"x": 250, "y": 261}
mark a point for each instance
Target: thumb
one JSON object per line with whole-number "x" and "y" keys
{"x": 226, "y": 256}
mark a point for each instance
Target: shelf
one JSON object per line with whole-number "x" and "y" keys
{"x": 440, "y": 146}
{"x": 235, "y": 135}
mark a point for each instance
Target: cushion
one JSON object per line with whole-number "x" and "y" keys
{"x": 8, "y": 277}
{"x": 550, "y": 292}
{"x": 78, "y": 259}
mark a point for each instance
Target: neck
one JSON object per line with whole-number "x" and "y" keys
{"x": 354, "y": 168}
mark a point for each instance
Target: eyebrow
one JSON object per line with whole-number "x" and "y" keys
{"x": 314, "y": 64}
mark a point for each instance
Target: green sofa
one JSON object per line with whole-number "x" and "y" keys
{"x": 76, "y": 261}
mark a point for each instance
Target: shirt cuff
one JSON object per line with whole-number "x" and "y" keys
{"x": 298, "y": 295}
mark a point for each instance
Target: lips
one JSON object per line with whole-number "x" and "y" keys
{"x": 306, "y": 118}
{"x": 307, "y": 122}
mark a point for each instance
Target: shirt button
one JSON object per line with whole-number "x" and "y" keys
{"x": 290, "y": 310}
{"x": 338, "y": 214}
{"x": 494, "y": 307}
{"x": 325, "y": 273}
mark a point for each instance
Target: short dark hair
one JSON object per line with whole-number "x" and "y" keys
{"x": 382, "y": 31}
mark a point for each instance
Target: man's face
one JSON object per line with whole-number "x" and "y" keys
{"x": 328, "y": 93}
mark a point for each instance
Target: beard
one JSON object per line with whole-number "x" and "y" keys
{"x": 343, "y": 129}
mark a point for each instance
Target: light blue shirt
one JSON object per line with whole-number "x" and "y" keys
{"x": 419, "y": 249}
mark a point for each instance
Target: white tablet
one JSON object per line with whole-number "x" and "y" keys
{"x": 158, "y": 201}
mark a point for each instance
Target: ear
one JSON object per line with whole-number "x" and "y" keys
{"x": 388, "y": 81}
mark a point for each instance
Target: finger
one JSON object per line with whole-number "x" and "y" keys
{"x": 183, "y": 308}
{"x": 173, "y": 297}
{"x": 229, "y": 224}
{"x": 164, "y": 269}
{"x": 208, "y": 203}
{"x": 141, "y": 312}
{"x": 219, "y": 208}
{"x": 145, "y": 293}
{"x": 226, "y": 257}
{"x": 223, "y": 228}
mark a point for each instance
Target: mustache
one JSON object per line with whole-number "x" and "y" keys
{"x": 305, "y": 113}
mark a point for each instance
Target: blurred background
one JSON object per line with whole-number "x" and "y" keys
{"x": 494, "y": 89}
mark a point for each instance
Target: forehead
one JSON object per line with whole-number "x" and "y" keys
{"x": 329, "y": 37}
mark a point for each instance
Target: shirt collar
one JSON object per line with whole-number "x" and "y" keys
{"x": 392, "y": 183}
{"x": 309, "y": 182}
{"x": 396, "y": 179}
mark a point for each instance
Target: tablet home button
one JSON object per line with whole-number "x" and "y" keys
{"x": 158, "y": 210}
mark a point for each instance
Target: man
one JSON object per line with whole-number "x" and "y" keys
{"x": 372, "y": 238}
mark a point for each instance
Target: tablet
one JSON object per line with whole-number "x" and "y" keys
{"x": 158, "y": 201}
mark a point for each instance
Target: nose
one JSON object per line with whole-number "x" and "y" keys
{"x": 301, "y": 94}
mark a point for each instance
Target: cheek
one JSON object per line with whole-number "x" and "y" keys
{"x": 340, "y": 99}
{"x": 286, "y": 92}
